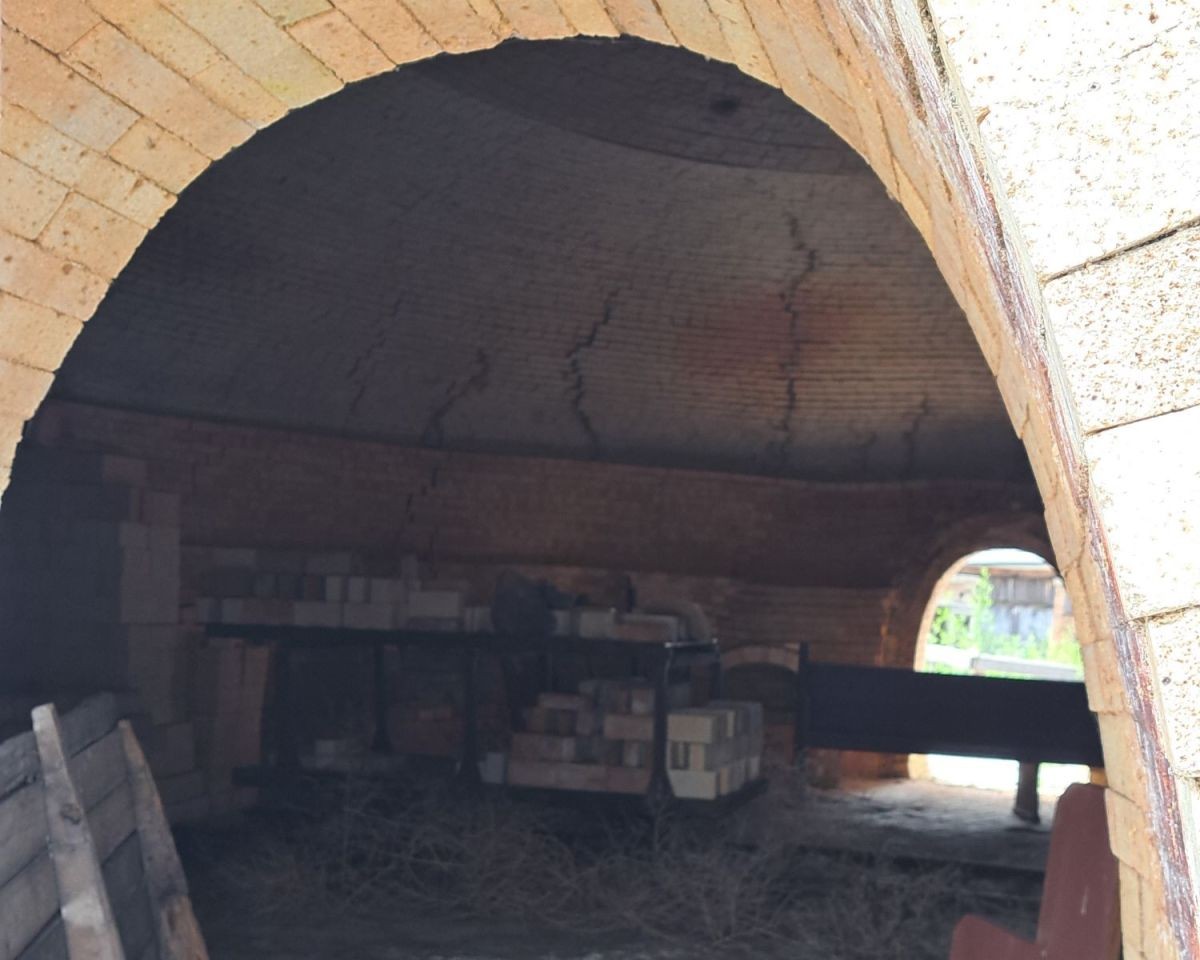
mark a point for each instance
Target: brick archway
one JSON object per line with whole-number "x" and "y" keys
{"x": 751, "y": 654}
{"x": 111, "y": 107}
{"x": 906, "y": 609}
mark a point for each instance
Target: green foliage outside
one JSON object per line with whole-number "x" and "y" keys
{"x": 976, "y": 631}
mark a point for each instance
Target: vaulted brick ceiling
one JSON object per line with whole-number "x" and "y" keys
{"x": 590, "y": 250}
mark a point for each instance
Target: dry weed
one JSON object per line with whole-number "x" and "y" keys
{"x": 684, "y": 883}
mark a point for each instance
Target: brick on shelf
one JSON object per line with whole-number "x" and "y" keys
{"x": 387, "y": 590}
{"x": 695, "y": 784}
{"x": 562, "y": 701}
{"x": 368, "y": 616}
{"x": 316, "y": 613}
{"x": 594, "y": 623}
{"x": 426, "y": 604}
{"x": 648, "y": 628}
{"x": 561, "y": 776}
{"x": 544, "y": 748}
{"x": 636, "y": 753}
{"x": 697, "y": 725}
{"x": 627, "y": 726}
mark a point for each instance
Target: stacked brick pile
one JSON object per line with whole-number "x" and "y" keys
{"x": 714, "y": 750}
{"x": 601, "y": 739}
{"x": 279, "y": 587}
{"x": 598, "y": 739}
{"x": 230, "y": 685}
{"x": 293, "y": 588}
{"x": 89, "y": 594}
{"x": 428, "y": 729}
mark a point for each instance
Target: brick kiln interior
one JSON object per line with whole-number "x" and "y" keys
{"x": 604, "y": 313}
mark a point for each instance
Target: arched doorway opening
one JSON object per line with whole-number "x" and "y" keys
{"x": 895, "y": 106}
{"x": 1001, "y": 612}
{"x": 591, "y": 335}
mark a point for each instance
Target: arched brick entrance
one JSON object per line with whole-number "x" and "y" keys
{"x": 111, "y": 107}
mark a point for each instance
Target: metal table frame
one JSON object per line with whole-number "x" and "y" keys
{"x": 279, "y": 742}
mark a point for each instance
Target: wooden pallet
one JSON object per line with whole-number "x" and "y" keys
{"x": 88, "y": 867}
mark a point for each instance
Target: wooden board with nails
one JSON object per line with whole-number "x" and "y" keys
{"x": 88, "y": 867}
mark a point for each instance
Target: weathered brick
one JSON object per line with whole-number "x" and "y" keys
{"x": 161, "y": 33}
{"x": 31, "y": 198}
{"x": 161, "y": 156}
{"x": 251, "y": 39}
{"x": 744, "y": 42}
{"x": 39, "y": 145}
{"x": 1146, "y": 482}
{"x": 54, "y": 25}
{"x": 536, "y": 19}
{"x": 787, "y": 60}
{"x": 1129, "y": 834}
{"x": 1131, "y": 907}
{"x": 11, "y": 429}
{"x": 122, "y": 190}
{"x": 1174, "y": 645}
{"x": 34, "y": 335}
{"x": 1102, "y": 675}
{"x": 93, "y": 235}
{"x": 119, "y": 65}
{"x": 695, "y": 27}
{"x": 1122, "y": 756}
{"x": 288, "y": 12}
{"x": 588, "y": 17}
{"x": 391, "y": 27}
{"x": 641, "y": 18}
{"x": 239, "y": 94}
{"x": 341, "y": 46}
{"x": 34, "y": 273}
{"x": 454, "y": 24}
{"x": 34, "y": 79}
{"x": 22, "y": 388}
{"x": 808, "y": 27}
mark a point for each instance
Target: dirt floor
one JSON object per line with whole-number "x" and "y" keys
{"x": 871, "y": 872}
{"x": 910, "y": 818}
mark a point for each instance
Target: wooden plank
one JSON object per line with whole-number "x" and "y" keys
{"x": 179, "y": 936}
{"x": 28, "y": 902}
{"x": 124, "y": 879}
{"x": 88, "y": 722}
{"x": 87, "y": 915}
{"x": 22, "y": 830}
{"x": 98, "y": 769}
{"x": 111, "y": 821}
{"x": 51, "y": 943}
{"x": 19, "y": 763}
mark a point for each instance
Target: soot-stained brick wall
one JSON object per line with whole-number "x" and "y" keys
{"x": 261, "y": 487}
{"x": 615, "y": 252}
